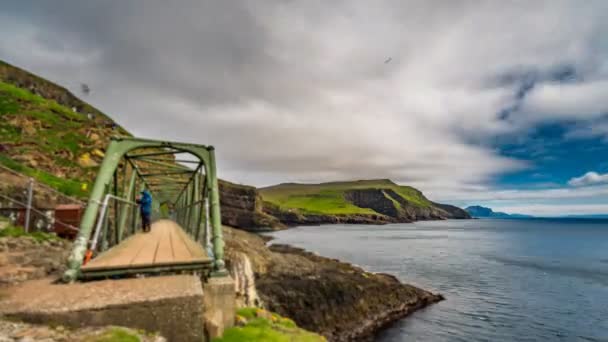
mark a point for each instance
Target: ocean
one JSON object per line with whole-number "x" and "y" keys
{"x": 504, "y": 280}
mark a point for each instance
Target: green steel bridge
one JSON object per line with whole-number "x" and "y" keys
{"x": 187, "y": 232}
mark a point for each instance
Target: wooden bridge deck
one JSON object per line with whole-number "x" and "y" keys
{"x": 166, "y": 247}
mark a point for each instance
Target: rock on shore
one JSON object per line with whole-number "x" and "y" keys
{"x": 25, "y": 258}
{"x": 337, "y": 300}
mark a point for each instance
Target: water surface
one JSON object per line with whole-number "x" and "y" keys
{"x": 504, "y": 280}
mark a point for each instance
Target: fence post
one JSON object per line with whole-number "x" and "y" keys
{"x": 28, "y": 208}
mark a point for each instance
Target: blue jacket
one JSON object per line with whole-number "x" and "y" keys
{"x": 145, "y": 203}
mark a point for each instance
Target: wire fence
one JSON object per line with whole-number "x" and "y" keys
{"x": 37, "y": 206}
{"x": 11, "y": 178}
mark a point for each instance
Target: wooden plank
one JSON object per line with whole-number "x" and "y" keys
{"x": 164, "y": 253}
{"x": 146, "y": 248}
{"x": 117, "y": 255}
{"x": 166, "y": 244}
{"x": 180, "y": 248}
{"x": 196, "y": 250}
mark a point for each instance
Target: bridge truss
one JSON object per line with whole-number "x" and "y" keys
{"x": 183, "y": 183}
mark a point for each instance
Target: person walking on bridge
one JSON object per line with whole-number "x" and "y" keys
{"x": 145, "y": 209}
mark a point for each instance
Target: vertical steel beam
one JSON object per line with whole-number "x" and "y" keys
{"x": 216, "y": 217}
{"x": 188, "y": 199}
{"x": 115, "y": 206}
{"x": 199, "y": 209}
{"x": 195, "y": 199}
{"x": 125, "y": 209}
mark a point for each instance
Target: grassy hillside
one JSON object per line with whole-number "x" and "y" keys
{"x": 330, "y": 198}
{"x": 48, "y": 134}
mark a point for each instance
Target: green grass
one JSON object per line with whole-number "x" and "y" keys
{"x": 264, "y": 326}
{"x": 58, "y": 133}
{"x": 115, "y": 335}
{"x": 42, "y": 130}
{"x": 60, "y": 123}
{"x": 328, "y": 198}
{"x": 66, "y": 186}
{"x": 13, "y": 231}
{"x": 13, "y": 96}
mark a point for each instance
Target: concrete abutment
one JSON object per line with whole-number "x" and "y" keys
{"x": 180, "y": 308}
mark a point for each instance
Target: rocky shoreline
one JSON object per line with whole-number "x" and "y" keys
{"x": 335, "y": 299}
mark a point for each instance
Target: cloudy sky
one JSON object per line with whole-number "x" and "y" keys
{"x": 500, "y": 103}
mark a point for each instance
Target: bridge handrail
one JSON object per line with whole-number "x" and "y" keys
{"x": 102, "y": 217}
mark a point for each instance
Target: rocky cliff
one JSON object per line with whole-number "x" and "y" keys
{"x": 242, "y": 208}
{"x": 335, "y": 299}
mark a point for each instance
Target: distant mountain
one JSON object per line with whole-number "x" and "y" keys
{"x": 484, "y": 212}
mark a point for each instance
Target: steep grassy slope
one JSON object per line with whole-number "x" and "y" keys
{"x": 364, "y": 201}
{"x": 42, "y": 137}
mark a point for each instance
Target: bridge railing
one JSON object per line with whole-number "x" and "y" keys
{"x": 117, "y": 220}
{"x": 34, "y": 205}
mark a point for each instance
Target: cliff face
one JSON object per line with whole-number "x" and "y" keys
{"x": 241, "y": 207}
{"x": 332, "y": 298}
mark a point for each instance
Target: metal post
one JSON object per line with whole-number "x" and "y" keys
{"x": 207, "y": 226}
{"x": 188, "y": 199}
{"x": 28, "y": 208}
{"x": 199, "y": 209}
{"x": 196, "y": 194}
{"x": 123, "y": 214}
{"x": 216, "y": 217}
{"x": 116, "y": 208}
{"x": 100, "y": 220}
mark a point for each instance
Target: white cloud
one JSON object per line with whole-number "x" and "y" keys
{"x": 481, "y": 193}
{"x": 573, "y": 101}
{"x": 299, "y": 91}
{"x": 589, "y": 178}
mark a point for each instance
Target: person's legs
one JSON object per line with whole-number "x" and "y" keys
{"x": 144, "y": 222}
{"x": 148, "y": 228}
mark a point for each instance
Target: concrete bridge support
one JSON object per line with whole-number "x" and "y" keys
{"x": 180, "y": 308}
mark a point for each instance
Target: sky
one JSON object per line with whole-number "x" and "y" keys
{"x": 498, "y": 103}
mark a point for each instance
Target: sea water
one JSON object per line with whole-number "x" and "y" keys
{"x": 504, "y": 280}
